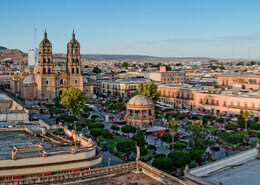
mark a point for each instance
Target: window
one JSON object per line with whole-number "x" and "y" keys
{"x": 44, "y": 70}
{"x": 49, "y": 70}
{"x": 72, "y": 70}
{"x": 46, "y": 82}
{"x": 77, "y": 70}
{"x": 61, "y": 81}
{"x": 44, "y": 60}
{"x": 49, "y": 60}
{"x": 76, "y": 81}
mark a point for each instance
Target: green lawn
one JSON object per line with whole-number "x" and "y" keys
{"x": 111, "y": 143}
{"x": 211, "y": 129}
{"x": 146, "y": 157}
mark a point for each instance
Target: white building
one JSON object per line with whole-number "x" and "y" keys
{"x": 33, "y": 57}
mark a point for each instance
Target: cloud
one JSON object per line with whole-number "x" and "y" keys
{"x": 214, "y": 39}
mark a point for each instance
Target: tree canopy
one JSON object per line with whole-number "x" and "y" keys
{"x": 128, "y": 129}
{"x": 73, "y": 99}
{"x": 96, "y": 70}
{"x": 148, "y": 89}
{"x": 198, "y": 138}
{"x": 139, "y": 138}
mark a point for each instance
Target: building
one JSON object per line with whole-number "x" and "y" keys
{"x": 168, "y": 77}
{"x": 140, "y": 112}
{"x": 11, "y": 111}
{"x": 33, "y": 57}
{"x": 243, "y": 81}
{"x": 179, "y": 96}
{"x": 242, "y": 168}
{"x": 122, "y": 87}
{"x": 212, "y": 100}
{"x": 35, "y": 150}
{"x": 46, "y": 84}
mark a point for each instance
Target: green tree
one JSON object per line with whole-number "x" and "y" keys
{"x": 258, "y": 135}
{"x": 128, "y": 129}
{"x": 96, "y": 70}
{"x": 246, "y": 116}
{"x": 126, "y": 146}
{"x": 198, "y": 137}
{"x": 139, "y": 138}
{"x": 231, "y": 127}
{"x": 163, "y": 163}
{"x": 180, "y": 158}
{"x": 255, "y": 126}
{"x": 95, "y": 125}
{"x": 115, "y": 127}
{"x": 107, "y": 135}
{"x": 96, "y": 132}
{"x": 196, "y": 155}
{"x": 173, "y": 126}
{"x": 148, "y": 89}
{"x": 73, "y": 99}
{"x": 125, "y": 65}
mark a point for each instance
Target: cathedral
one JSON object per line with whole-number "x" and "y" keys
{"x": 43, "y": 82}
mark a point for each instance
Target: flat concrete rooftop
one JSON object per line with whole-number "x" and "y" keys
{"x": 32, "y": 146}
{"x": 125, "y": 178}
{"x": 247, "y": 173}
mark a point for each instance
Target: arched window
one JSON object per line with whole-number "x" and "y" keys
{"x": 49, "y": 60}
{"x": 49, "y": 70}
{"x": 44, "y": 60}
{"x": 44, "y": 70}
{"x": 61, "y": 81}
{"x": 72, "y": 70}
{"x": 77, "y": 70}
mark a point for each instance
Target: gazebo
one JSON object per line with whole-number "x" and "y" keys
{"x": 140, "y": 112}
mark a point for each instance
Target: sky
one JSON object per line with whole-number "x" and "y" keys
{"x": 166, "y": 28}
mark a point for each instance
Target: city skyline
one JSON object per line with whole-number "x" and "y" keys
{"x": 168, "y": 29}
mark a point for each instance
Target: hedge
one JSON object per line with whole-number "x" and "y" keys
{"x": 255, "y": 126}
{"x": 95, "y": 125}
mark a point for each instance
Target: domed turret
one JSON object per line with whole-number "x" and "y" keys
{"x": 140, "y": 112}
{"x": 140, "y": 100}
{"x": 28, "y": 80}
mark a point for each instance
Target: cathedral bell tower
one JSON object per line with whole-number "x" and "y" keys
{"x": 73, "y": 56}
{"x": 45, "y": 64}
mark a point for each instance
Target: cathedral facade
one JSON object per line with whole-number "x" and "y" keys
{"x": 43, "y": 82}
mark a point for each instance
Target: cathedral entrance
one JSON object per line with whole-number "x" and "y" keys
{"x": 60, "y": 93}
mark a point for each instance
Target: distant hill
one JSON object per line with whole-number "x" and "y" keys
{"x": 130, "y": 57}
{"x": 14, "y": 54}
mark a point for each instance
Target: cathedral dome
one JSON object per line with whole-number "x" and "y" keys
{"x": 28, "y": 80}
{"x": 140, "y": 100}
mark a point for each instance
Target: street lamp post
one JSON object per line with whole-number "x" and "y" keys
{"x": 108, "y": 162}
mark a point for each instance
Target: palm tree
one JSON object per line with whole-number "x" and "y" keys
{"x": 246, "y": 116}
{"x": 173, "y": 126}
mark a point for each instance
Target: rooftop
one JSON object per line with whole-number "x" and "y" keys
{"x": 247, "y": 173}
{"x": 18, "y": 136}
{"x": 125, "y": 178}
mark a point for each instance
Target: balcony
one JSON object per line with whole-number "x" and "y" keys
{"x": 184, "y": 98}
{"x": 244, "y": 108}
{"x": 139, "y": 117}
